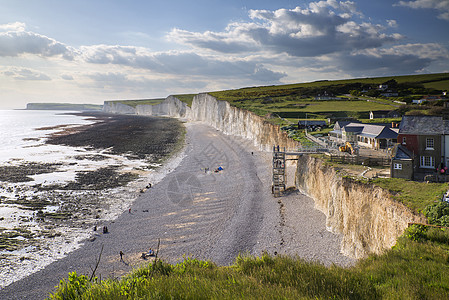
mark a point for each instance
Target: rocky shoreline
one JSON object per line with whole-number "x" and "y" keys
{"x": 120, "y": 151}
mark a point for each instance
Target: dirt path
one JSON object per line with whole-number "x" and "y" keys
{"x": 201, "y": 214}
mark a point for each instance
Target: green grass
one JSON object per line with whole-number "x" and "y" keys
{"x": 381, "y": 120}
{"x": 413, "y": 194}
{"x": 187, "y": 98}
{"x": 416, "y": 268}
{"x": 134, "y": 103}
{"x": 292, "y": 90}
{"x": 295, "y": 100}
{"x": 438, "y": 85}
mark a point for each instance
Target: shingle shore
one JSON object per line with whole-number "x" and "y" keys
{"x": 202, "y": 214}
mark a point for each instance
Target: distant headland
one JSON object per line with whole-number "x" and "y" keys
{"x": 63, "y": 106}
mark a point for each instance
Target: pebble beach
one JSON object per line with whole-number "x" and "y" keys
{"x": 197, "y": 212}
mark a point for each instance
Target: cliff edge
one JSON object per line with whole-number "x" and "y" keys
{"x": 218, "y": 114}
{"x": 367, "y": 215}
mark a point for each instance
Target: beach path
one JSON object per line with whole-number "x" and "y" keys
{"x": 197, "y": 212}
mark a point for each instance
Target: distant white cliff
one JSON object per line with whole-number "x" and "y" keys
{"x": 218, "y": 114}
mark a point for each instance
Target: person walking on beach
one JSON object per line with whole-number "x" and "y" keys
{"x": 121, "y": 256}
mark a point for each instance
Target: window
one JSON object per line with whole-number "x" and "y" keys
{"x": 427, "y": 162}
{"x": 404, "y": 140}
{"x": 429, "y": 144}
{"x": 397, "y": 166}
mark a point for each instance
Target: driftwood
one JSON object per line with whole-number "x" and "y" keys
{"x": 96, "y": 265}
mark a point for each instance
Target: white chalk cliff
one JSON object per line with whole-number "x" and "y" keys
{"x": 218, "y": 114}
{"x": 368, "y": 218}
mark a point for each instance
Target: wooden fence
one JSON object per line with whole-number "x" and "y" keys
{"x": 360, "y": 160}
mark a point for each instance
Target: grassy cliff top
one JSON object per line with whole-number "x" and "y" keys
{"x": 295, "y": 100}
{"x": 439, "y": 81}
{"x": 134, "y": 103}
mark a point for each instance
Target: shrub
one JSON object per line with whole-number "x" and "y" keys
{"x": 438, "y": 213}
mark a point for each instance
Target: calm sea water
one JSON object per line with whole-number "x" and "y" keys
{"x": 21, "y": 143}
{"x": 18, "y": 134}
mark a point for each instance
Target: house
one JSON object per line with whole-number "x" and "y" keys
{"x": 326, "y": 96}
{"x": 365, "y": 135}
{"x": 389, "y": 93}
{"x": 401, "y": 163}
{"x": 386, "y": 91}
{"x": 336, "y": 133}
{"x": 311, "y": 124}
{"x": 428, "y": 99}
{"x": 378, "y": 114}
{"x": 427, "y": 139}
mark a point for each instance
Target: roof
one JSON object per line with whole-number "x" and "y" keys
{"x": 378, "y": 132}
{"x": 370, "y": 130}
{"x": 353, "y": 128}
{"x": 423, "y": 125}
{"x": 311, "y": 122}
{"x": 401, "y": 152}
{"x": 340, "y": 124}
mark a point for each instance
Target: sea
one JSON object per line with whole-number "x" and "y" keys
{"x": 27, "y": 243}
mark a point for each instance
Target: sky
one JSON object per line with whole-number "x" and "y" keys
{"x": 89, "y": 51}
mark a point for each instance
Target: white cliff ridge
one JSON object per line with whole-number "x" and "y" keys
{"x": 218, "y": 114}
{"x": 368, "y": 218}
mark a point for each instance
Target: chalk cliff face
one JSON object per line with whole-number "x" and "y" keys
{"x": 234, "y": 121}
{"x": 113, "y": 107}
{"x": 367, "y": 215}
{"x": 170, "y": 107}
{"x": 219, "y": 114}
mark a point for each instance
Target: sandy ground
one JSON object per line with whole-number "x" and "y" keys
{"x": 200, "y": 213}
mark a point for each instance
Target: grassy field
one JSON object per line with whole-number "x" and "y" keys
{"x": 416, "y": 268}
{"x": 295, "y": 100}
{"x": 187, "y": 98}
{"x": 415, "y": 195}
{"x": 134, "y": 103}
{"x": 440, "y": 80}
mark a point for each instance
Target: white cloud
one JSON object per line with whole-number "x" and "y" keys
{"x": 25, "y": 74}
{"x": 16, "y": 26}
{"x": 403, "y": 59}
{"x": 177, "y": 62}
{"x": 15, "y": 41}
{"x": 431, "y": 51}
{"x": 441, "y": 5}
{"x": 67, "y": 77}
{"x": 323, "y": 27}
{"x": 126, "y": 85}
{"x": 392, "y": 23}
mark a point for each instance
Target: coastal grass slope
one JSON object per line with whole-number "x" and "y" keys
{"x": 297, "y": 101}
{"x": 416, "y": 268}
